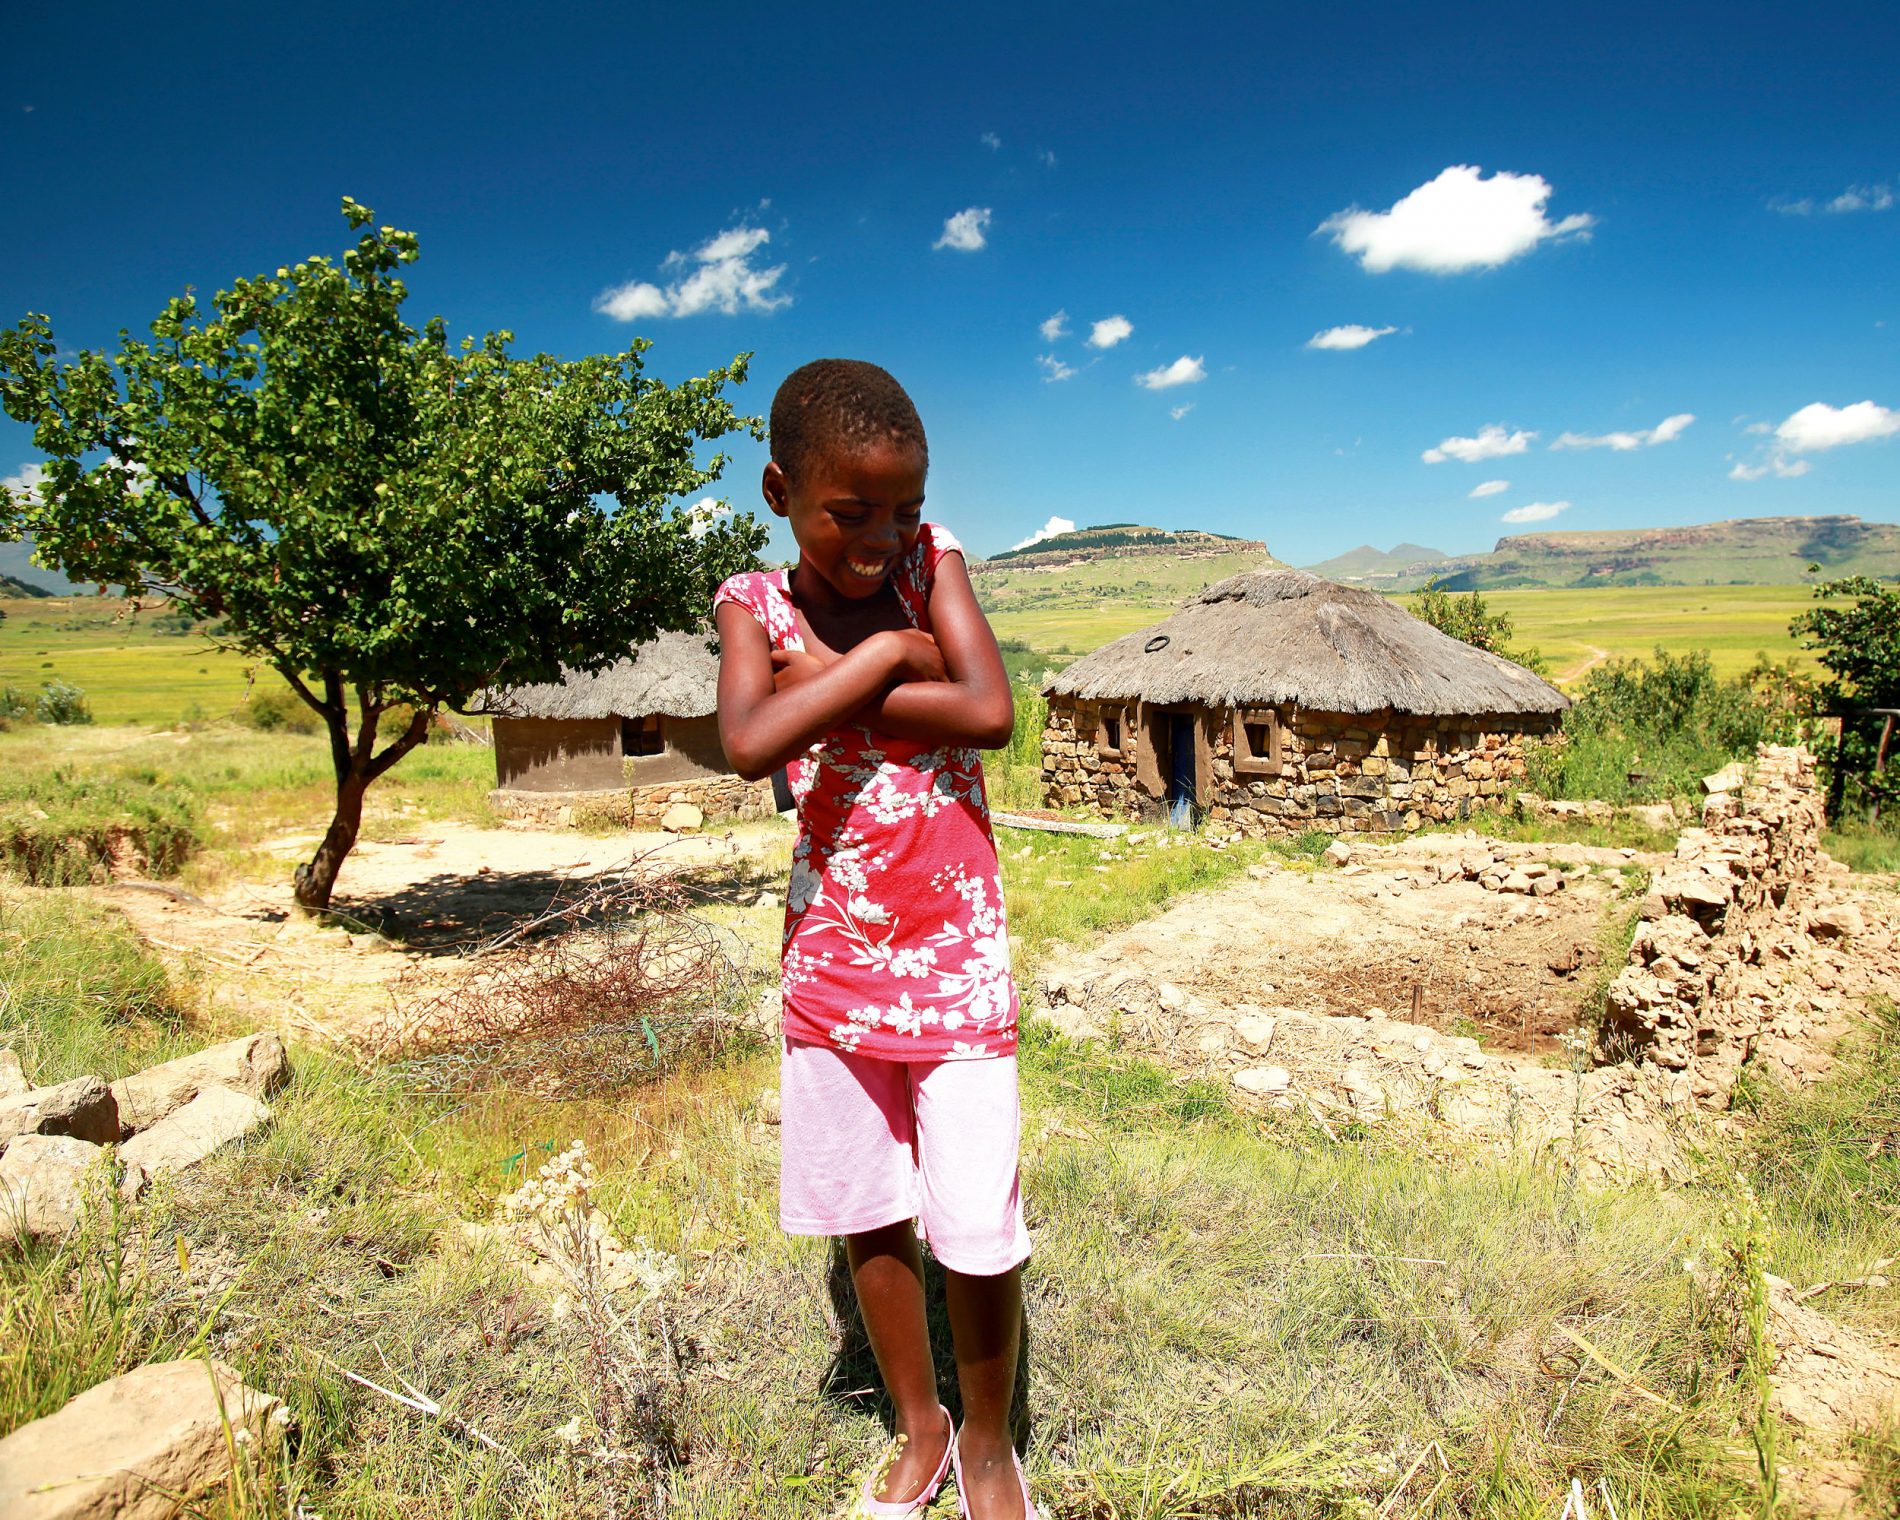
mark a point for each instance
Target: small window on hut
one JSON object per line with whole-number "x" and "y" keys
{"x": 1257, "y": 741}
{"x": 1108, "y": 731}
{"x": 641, "y": 736}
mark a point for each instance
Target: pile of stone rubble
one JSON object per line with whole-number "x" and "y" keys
{"x": 154, "y": 1123}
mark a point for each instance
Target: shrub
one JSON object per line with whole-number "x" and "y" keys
{"x": 1470, "y": 620}
{"x": 62, "y": 702}
{"x": 1646, "y": 731}
{"x": 57, "y": 828}
{"x": 277, "y": 709}
{"x": 15, "y": 703}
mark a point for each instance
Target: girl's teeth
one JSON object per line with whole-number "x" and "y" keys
{"x": 863, "y": 569}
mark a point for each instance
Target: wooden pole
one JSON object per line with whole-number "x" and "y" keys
{"x": 1880, "y": 760}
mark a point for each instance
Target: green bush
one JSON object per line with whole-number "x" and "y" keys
{"x": 272, "y": 708}
{"x": 14, "y": 703}
{"x": 62, "y": 702}
{"x": 57, "y": 828}
{"x": 1645, "y": 731}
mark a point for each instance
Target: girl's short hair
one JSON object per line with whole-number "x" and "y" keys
{"x": 842, "y": 406}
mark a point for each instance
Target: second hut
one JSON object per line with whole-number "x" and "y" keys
{"x": 1277, "y": 702}
{"x": 633, "y": 743}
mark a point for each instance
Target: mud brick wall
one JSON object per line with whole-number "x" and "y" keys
{"x": 1383, "y": 772}
{"x": 718, "y": 797}
{"x": 1691, "y": 1000}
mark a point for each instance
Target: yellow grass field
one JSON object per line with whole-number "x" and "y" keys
{"x": 134, "y": 672}
{"x": 1574, "y": 629}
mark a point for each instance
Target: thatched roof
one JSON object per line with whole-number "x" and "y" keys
{"x": 1271, "y": 636}
{"x": 675, "y": 675}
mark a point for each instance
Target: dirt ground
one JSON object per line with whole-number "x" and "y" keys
{"x": 406, "y": 908}
{"x": 1387, "y": 933}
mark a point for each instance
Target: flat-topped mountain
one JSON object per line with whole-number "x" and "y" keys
{"x": 1113, "y": 564}
{"x": 1747, "y": 551}
{"x": 1079, "y": 545}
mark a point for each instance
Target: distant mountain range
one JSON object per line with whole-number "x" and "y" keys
{"x": 1108, "y": 539}
{"x": 1747, "y": 551}
{"x": 17, "y": 569}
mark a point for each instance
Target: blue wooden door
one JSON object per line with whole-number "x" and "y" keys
{"x": 1181, "y": 770}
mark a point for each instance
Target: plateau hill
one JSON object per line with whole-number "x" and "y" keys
{"x": 1112, "y": 564}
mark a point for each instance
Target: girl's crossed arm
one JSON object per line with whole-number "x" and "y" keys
{"x": 973, "y": 704}
{"x": 951, "y": 689}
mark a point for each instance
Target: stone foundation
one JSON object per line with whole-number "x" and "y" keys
{"x": 1691, "y": 1001}
{"x": 1383, "y": 772}
{"x": 640, "y": 807}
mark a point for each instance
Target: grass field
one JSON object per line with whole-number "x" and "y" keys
{"x": 131, "y": 669}
{"x": 1574, "y": 629}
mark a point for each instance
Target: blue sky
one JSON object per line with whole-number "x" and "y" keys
{"x": 1594, "y": 224}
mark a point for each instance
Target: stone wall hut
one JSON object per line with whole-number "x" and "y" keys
{"x": 627, "y": 742}
{"x": 1276, "y": 702}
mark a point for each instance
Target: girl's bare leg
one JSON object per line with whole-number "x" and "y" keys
{"x": 887, "y": 1271}
{"x": 986, "y": 1315}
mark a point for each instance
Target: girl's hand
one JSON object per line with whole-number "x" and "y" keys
{"x": 793, "y": 667}
{"x": 919, "y": 658}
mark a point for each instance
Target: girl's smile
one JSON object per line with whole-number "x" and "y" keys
{"x": 853, "y": 514}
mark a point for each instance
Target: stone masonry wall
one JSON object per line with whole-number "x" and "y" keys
{"x": 1343, "y": 772}
{"x": 1692, "y": 1001}
{"x": 718, "y": 797}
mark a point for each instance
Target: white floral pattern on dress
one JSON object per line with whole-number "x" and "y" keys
{"x": 895, "y": 942}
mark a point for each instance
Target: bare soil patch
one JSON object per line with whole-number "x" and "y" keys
{"x": 1387, "y": 930}
{"x": 406, "y": 910}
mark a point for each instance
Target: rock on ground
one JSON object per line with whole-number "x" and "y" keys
{"x": 83, "y": 1108}
{"x": 255, "y": 1064}
{"x": 180, "y": 1140}
{"x": 682, "y": 818}
{"x": 42, "y": 1189}
{"x": 13, "y": 1080}
{"x": 139, "y": 1447}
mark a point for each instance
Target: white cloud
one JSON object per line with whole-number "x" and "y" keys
{"x": 1184, "y": 371}
{"x": 25, "y": 481}
{"x": 1492, "y": 442}
{"x": 991, "y": 141}
{"x": 1178, "y": 412}
{"x": 1853, "y": 198}
{"x": 1489, "y": 488}
{"x": 722, "y": 278}
{"x": 1053, "y": 368}
{"x": 1814, "y": 428}
{"x": 1109, "y": 331}
{"x": 1669, "y": 429}
{"x": 1537, "y": 511}
{"x": 1776, "y": 465}
{"x": 1046, "y": 158}
{"x": 1863, "y": 198}
{"x": 1054, "y": 327}
{"x": 1350, "y": 336}
{"x": 1820, "y": 426}
{"x": 1049, "y": 529}
{"x": 967, "y": 231}
{"x": 707, "y": 511}
{"x": 1458, "y": 221}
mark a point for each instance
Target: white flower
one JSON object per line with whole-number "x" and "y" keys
{"x": 805, "y": 886}
{"x": 863, "y": 909}
{"x": 571, "y": 1431}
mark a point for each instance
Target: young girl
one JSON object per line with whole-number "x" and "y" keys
{"x": 870, "y": 673}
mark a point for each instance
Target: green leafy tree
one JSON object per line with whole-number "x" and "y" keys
{"x": 1855, "y": 634}
{"x": 1470, "y": 620}
{"x": 385, "y": 520}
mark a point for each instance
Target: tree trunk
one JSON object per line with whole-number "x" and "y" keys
{"x": 317, "y": 877}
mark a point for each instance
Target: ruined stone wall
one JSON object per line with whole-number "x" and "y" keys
{"x": 1692, "y": 1000}
{"x": 717, "y": 797}
{"x": 1342, "y": 772}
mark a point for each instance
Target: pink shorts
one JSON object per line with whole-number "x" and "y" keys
{"x": 864, "y": 1144}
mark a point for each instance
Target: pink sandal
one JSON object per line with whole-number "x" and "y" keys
{"x": 1030, "y": 1511}
{"x": 871, "y": 1506}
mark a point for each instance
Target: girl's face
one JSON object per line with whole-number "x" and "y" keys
{"x": 853, "y": 514}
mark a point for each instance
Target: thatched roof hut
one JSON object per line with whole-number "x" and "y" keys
{"x": 649, "y": 720}
{"x": 1277, "y": 701}
{"x": 1267, "y": 637}
{"x": 675, "y": 675}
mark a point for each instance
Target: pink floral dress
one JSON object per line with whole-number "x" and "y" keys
{"x": 895, "y": 945}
